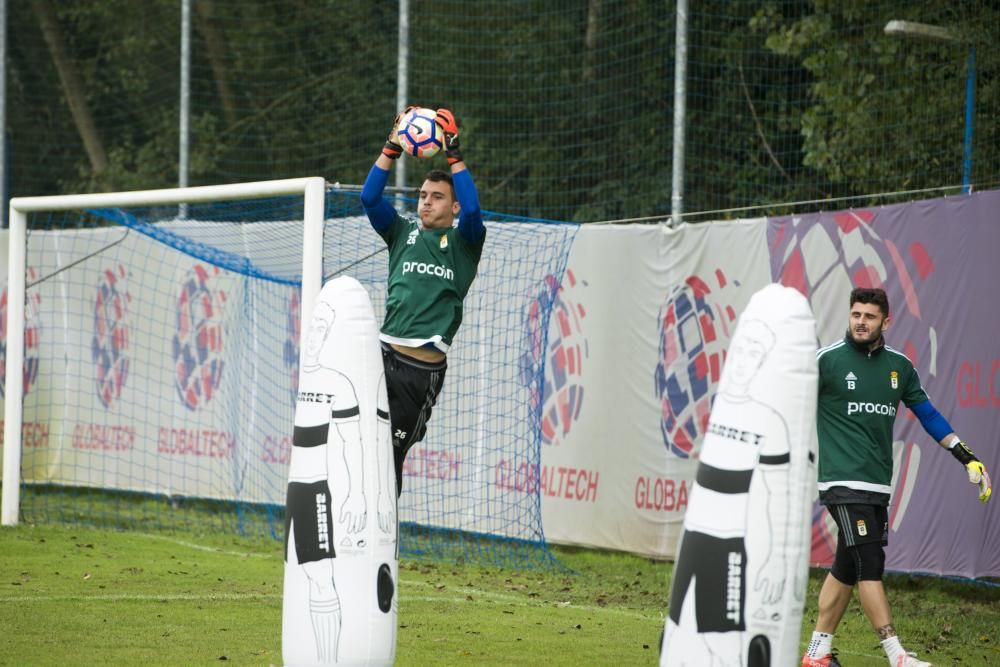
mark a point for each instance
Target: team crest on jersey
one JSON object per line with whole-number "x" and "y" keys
{"x": 862, "y": 527}
{"x": 894, "y": 379}
{"x": 852, "y": 380}
{"x": 444, "y": 241}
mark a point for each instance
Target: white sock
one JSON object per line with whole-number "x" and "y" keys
{"x": 819, "y": 645}
{"x": 893, "y": 649}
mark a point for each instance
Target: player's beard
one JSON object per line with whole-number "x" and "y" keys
{"x": 866, "y": 336}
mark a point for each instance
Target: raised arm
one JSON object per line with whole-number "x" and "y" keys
{"x": 380, "y": 213}
{"x": 470, "y": 217}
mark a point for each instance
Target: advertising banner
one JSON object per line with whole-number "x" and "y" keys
{"x": 639, "y": 332}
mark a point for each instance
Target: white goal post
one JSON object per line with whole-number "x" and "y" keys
{"x": 311, "y": 188}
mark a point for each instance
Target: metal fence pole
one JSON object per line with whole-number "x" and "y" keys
{"x": 184, "y": 130}
{"x": 402, "y": 83}
{"x": 680, "y": 110}
{"x": 4, "y": 175}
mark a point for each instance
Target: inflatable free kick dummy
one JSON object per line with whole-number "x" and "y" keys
{"x": 738, "y": 590}
{"x": 341, "y": 556}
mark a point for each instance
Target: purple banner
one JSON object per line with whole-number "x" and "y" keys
{"x": 938, "y": 262}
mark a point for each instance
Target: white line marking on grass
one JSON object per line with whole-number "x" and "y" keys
{"x": 519, "y": 601}
{"x": 805, "y": 644}
{"x": 139, "y": 597}
{"x": 510, "y": 600}
{"x": 202, "y": 547}
{"x": 513, "y": 600}
{"x": 192, "y": 597}
{"x": 862, "y": 655}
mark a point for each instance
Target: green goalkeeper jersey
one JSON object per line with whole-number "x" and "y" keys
{"x": 430, "y": 272}
{"x": 859, "y": 393}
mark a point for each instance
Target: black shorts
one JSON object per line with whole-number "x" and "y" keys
{"x": 717, "y": 566}
{"x": 861, "y": 524}
{"x": 308, "y": 509}
{"x": 412, "y": 387}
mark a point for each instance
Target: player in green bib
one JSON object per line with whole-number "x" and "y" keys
{"x": 432, "y": 263}
{"x": 862, "y": 382}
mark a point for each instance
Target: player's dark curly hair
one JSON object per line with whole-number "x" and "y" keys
{"x": 871, "y": 295}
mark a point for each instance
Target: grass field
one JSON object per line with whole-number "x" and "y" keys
{"x": 85, "y": 596}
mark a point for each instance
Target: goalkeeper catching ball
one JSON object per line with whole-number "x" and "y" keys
{"x": 432, "y": 263}
{"x": 861, "y": 382}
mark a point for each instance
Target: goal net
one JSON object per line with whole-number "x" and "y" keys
{"x": 159, "y": 339}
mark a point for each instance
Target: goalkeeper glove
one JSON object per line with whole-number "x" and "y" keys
{"x": 979, "y": 476}
{"x": 446, "y": 119}
{"x": 392, "y": 149}
{"x": 975, "y": 468}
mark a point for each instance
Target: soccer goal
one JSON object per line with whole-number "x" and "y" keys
{"x": 151, "y": 345}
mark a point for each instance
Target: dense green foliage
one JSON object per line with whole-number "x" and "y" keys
{"x": 566, "y": 106}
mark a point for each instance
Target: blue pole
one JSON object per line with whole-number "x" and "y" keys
{"x": 970, "y": 98}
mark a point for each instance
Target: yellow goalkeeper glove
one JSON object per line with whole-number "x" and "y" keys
{"x": 979, "y": 476}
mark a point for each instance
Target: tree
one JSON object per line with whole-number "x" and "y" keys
{"x": 565, "y": 107}
{"x": 72, "y": 86}
{"x": 887, "y": 114}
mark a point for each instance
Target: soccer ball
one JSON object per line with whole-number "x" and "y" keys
{"x": 419, "y": 133}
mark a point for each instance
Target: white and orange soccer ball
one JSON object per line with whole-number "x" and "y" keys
{"x": 419, "y": 133}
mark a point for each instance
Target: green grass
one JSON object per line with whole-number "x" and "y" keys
{"x": 88, "y": 596}
{"x": 102, "y": 508}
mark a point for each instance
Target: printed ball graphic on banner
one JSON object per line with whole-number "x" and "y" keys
{"x": 825, "y": 256}
{"x": 290, "y": 354}
{"x": 419, "y": 133}
{"x": 559, "y": 390}
{"x": 198, "y": 337}
{"x": 109, "y": 345}
{"x": 32, "y": 336}
{"x": 695, "y": 327}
